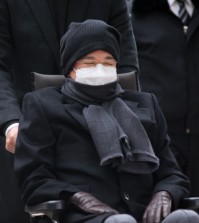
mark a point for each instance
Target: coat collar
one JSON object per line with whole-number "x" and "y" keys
{"x": 143, "y": 6}
{"x": 75, "y": 110}
{"x": 43, "y": 18}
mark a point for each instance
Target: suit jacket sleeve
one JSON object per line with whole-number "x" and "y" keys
{"x": 121, "y": 19}
{"x": 9, "y": 108}
{"x": 34, "y": 158}
{"x": 168, "y": 177}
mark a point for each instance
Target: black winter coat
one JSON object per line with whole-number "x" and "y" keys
{"x": 56, "y": 157}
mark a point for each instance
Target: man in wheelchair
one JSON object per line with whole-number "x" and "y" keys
{"x": 101, "y": 149}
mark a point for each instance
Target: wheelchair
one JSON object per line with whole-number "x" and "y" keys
{"x": 50, "y": 211}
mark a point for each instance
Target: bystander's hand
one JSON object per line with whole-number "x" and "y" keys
{"x": 11, "y": 138}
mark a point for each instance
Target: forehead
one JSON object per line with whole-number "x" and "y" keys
{"x": 98, "y": 54}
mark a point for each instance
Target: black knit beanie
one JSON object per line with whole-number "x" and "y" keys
{"x": 86, "y": 37}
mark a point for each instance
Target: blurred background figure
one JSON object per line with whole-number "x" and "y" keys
{"x": 129, "y": 4}
{"x": 167, "y": 36}
{"x": 30, "y": 31}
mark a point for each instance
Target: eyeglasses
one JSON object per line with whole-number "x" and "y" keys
{"x": 92, "y": 63}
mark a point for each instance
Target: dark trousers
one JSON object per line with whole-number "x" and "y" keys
{"x": 11, "y": 206}
{"x": 186, "y": 150}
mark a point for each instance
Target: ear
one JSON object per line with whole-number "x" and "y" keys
{"x": 72, "y": 74}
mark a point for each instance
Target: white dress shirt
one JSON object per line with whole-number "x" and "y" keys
{"x": 174, "y": 6}
{"x": 10, "y": 127}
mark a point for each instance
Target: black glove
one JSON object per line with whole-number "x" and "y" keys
{"x": 87, "y": 203}
{"x": 158, "y": 208}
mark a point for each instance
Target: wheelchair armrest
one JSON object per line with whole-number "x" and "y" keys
{"x": 190, "y": 203}
{"x": 52, "y": 209}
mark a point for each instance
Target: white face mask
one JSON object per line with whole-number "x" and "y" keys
{"x": 98, "y": 75}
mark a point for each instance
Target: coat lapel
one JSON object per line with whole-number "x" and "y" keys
{"x": 42, "y": 15}
{"x": 75, "y": 111}
{"x": 144, "y": 114}
{"x": 194, "y": 24}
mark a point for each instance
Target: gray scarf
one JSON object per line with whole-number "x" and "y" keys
{"x": 118, "y": 135}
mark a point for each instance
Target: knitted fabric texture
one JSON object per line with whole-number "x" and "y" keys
{"x": 87, "y": 37}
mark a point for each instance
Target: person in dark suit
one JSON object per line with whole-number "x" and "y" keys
{"x": 30, "y": 31}
{"x": 167, "y": 37}
{"x": 129, "y": 4}
{"x": 105, "y": 151}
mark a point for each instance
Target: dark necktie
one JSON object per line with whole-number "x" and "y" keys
{"x": 183, "y": 14}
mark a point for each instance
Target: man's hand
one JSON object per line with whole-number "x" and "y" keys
{"x": 158, "y": 208}
{"x": 11, "y": 138}
{"x": 87, "y": 203}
